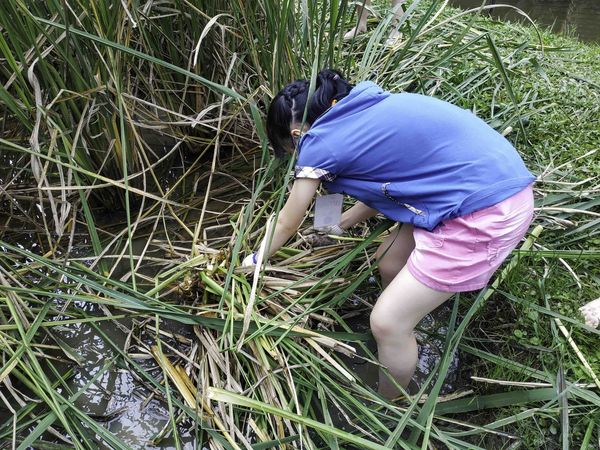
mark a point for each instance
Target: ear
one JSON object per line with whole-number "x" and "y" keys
{"x": 296, "y": 132}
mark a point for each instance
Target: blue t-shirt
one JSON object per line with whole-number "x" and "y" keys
{"x": 414, "y": 158}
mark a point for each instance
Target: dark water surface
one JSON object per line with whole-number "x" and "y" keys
{"x": 579, "y": 18}
{"x": 117, "y": 400}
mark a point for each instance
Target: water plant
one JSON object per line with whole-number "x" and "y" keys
{"x": 135, "y": 172}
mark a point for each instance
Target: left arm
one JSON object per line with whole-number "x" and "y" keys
{"x": 357, "y": 213}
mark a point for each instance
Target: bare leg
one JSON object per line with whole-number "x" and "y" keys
{"x": 398, "y": 11}
{"x": 394, "y": 252}
{"x": 361, "y": 27}
{"x": 397, "y": 8}
{"x": 399, "y": 308}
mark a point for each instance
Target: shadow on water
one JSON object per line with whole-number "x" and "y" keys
{"x": 580, "y": 18}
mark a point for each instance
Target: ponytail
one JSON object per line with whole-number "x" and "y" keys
{"x": 330, "y": 86}
{"x": 289, "y": 104}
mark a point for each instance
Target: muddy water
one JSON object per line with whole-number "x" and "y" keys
{"x": 577, "y": 17}
{"x": 126, "y": 408}
{"x": 117, "y": 400}
{"x": 123, "y": 405}
{"x": 431, "y": 333}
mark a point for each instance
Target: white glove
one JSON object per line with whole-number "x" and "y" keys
{"x": 591, "y": 313}
{"x": 335, "y": 230}
{"x": 249, "y": 260}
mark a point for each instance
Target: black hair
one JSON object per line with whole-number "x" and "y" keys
{"x": 289, "y": 104}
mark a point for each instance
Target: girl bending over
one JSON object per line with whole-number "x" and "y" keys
{"x": 459, "y": 190}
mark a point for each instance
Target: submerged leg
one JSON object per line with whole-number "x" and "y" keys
{"x": 400, "y": 307}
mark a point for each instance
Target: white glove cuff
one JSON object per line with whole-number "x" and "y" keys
{"x": 249, "y": 260}
{"x": 336, "y": 230}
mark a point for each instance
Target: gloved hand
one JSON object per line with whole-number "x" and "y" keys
{"x": 249, "y": 260}
{"x": 319, "y": 237}
{"x": 335, "y": 230}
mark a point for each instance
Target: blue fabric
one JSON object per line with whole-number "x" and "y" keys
{"x": 414, "y": 158}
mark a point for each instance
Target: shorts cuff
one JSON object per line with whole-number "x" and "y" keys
{"x": 436, "y": 285}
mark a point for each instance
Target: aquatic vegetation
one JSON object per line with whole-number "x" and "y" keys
{"x": 134, "y": 175}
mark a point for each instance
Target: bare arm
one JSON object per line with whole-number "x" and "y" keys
{"x": 291, "y": 215}
{"x": 356, "y": 214}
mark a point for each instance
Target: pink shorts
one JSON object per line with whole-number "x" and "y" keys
{"x": 463, "y": 253}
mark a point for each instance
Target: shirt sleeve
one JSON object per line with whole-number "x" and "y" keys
{"x": 316, "y": 160}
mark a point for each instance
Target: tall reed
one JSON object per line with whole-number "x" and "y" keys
{"x": 137, "y": 128}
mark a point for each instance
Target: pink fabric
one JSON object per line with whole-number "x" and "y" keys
{"x": 463, "y": 253}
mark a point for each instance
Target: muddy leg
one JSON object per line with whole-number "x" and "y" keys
{"x": 403, "y": 303}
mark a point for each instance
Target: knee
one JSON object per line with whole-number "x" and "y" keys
{"x": 381, "y": 326}
{"x": 386, "y": 327}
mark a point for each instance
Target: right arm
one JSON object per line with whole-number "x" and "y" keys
{"x": 291, "y": 215}
{"x": 357, "y": 213}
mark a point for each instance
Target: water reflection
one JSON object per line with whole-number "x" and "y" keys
{"x": 116, "y": 399}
